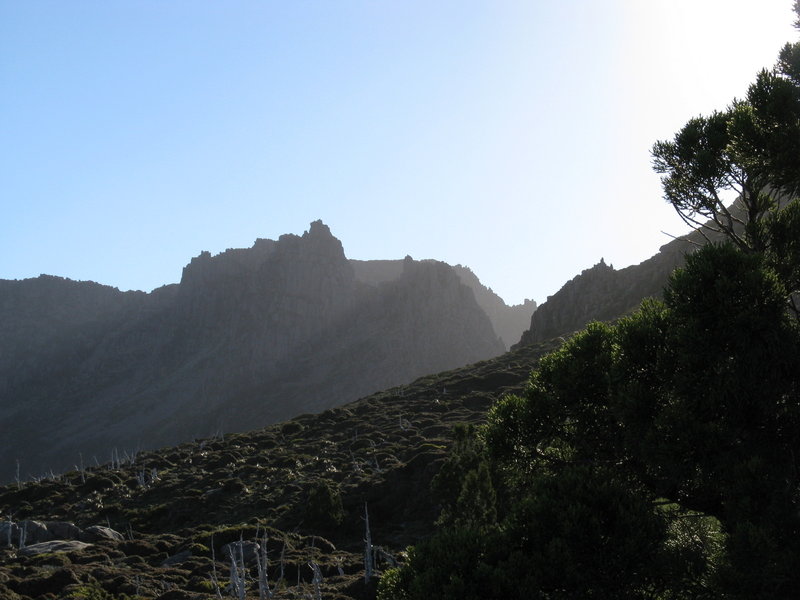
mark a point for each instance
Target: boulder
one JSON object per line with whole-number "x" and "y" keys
{"x": 46, "y": 531}
{"x": 62, "y": 530}
{"x": 35, "y": 532}
{"x": 53, "y": 546}
{"x": 97, "y": 533}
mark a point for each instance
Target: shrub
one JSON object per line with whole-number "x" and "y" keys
{"x": 324, "y": 507}
{"x": 291, "y": 427}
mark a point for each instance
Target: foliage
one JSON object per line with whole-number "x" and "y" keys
{"x": 393, "y": 584}
{"x": 324, "y": 506}
{"x": 583, "y": 533}
{"x": 752, "y": 148}
{"x": 92, "y": 592}
{"x": 464, "y": 483}
{"x": 783, "y": 255}
{"x": 454, "y": 564}
{"x": 291, "y": 428}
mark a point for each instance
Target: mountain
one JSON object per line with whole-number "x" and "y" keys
{"x": 509, "y": 322}
{"x": 180, "y": 506}
{"x": 247, "y": 338}
{"x": 603, "y": 293}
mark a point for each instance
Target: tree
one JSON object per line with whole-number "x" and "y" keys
{"x": 694, "y": 401}
{"x": 752, "y": 149}
{"x": 464, "y": 485}
{"x": 324, "y": 505}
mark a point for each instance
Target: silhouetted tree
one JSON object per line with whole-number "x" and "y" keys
{"x": 752, "y": 148}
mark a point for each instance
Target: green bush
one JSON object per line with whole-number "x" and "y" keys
{"x": 324, "y": 507}
{"x": 291, "y": 427}
{"x": 393, "y": 584}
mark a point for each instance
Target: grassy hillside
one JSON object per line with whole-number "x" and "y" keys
{"x": 178, "y": 504}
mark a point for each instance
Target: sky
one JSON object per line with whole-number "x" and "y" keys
{"x": 509, "y": 136}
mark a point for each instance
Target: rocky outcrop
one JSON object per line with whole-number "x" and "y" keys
{"x": 29, "y": 532}
{"x": 249, "y": 337}
{"x": 509, "y": 322}
{"x": 602, "y": 293}
{"x": 53, "y": 546}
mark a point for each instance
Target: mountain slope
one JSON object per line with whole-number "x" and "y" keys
{"x": 380, "y": 451}
{"x": 603, "y": 293}
{"x": 248, "y": 338}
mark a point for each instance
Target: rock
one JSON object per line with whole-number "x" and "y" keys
{"x": 602, "y": 293}
{"x": 63, "y": 530}
{"x": 36, "y": 531}
{"x": 509, "y": 322}
{"x": 178, "y": 558}
{"x": 249, "y": 550}
{"x": 96, "y": 533}
{"x": 53, "y": 546}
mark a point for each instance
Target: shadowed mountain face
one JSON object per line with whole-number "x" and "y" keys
{"x": 249, "y": 337}
{"x": 602, "y": 293}
{"x": 509, "y": 322}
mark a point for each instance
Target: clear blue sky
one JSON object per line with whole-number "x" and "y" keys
{"x": 509, "y": 136}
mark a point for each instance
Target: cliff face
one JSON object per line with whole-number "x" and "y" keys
{"x": 41, "y": 316}
{"x": 602, "y": 293}
{"x": 509, "y": 322}
{"x": 248, "y": 337}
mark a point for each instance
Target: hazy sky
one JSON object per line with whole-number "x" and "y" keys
{"x": 509, "y": 136}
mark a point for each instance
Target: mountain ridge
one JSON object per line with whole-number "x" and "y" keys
{"x": 248, "y": 337}
{"x": 602, "y": 293}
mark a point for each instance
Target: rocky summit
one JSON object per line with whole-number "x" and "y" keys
{"x": 603, "y": 293}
